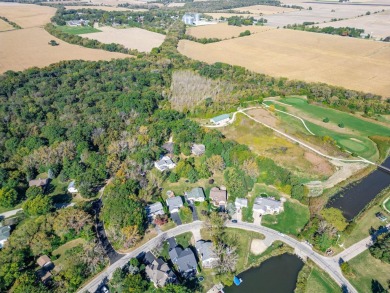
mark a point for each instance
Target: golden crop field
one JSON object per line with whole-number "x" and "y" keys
{"x": 131, "y": 38}
{"x": 223, "y": 30}
{"x": 27, "y": 15}
{"x": 5, "y": 26}
{"x": 351, "y": 63}
{"x": 25, "y": 48}
{"x": 263, "y": 9}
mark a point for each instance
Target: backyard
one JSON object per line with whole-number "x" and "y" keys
{"x": 290, "y": 221}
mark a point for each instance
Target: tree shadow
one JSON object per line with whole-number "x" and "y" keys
{"x": 376, "y": 287}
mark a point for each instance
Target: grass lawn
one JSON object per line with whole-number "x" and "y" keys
{"x": 387, "y": 204}
{"x": 266, "y": 191}
{"x": 184, "y": 239}
{"x": 185, "y": 215}
{"x": 171, "y": 224}
{"x": 320, "y": 282}
{"x": 290, "y": 221}
{"x": 60, "y": 251}
{"x": 202, "y": 206}
{"x": 366, "y": 269}
{"x": 363, "y": 224}
{"x": 78, "y": 30}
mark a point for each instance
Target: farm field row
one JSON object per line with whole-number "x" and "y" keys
{"x": 222, "y": 30}
{"x": 311, "y": 57}
{"x": 16, "y": 55}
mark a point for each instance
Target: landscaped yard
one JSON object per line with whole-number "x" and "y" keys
{"x": 184, "y": 239}
{"x": 78, "y": 30}
{"x": 387, "y": 204}
{"x": 60, "y": 251}
{"x": 321, "y": 282}
{"x": 290, "y": 221}
{"x": 366, "y": 270}
{"x": 185, "y": 215}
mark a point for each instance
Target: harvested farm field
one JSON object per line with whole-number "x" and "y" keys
{"x": 5, "y": 26}
{"x": 16, "y": 55}
{"x": 27, "y": 15}
{"x": 263, "y": 9}
{"x": 131, "y": 38}
{"x": 347, "y": 62}
{"x": 222, "y": 30}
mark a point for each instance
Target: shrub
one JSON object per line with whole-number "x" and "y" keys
{"x": 326, "y": 120}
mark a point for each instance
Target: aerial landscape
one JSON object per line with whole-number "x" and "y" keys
{"x": 195, "y": 146}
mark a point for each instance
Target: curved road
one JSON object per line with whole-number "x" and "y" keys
{"x": 330, "y": 265}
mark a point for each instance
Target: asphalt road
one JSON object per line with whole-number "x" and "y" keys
{"x": 329, "y": 264}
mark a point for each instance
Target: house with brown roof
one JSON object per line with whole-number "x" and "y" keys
{"x": 160, "y": 273}
{"x": 218, "y": 197}
{"x": 44, "y": 261}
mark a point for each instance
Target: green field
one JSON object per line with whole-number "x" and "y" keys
{"x": 387, "y": 204}
{"x": 366, "y": 269}
{"x": 357, "y": 142}
{"x": 290, "y": 221}
{"x": 321, "y": 282}
{"x": 78, "y": 30}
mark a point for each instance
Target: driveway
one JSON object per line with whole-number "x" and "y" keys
{"x": 176, "y": 218}
{"x": 194, "y": 211}
{"x": 9, "y": 213}
{"x": 256, "y": 218}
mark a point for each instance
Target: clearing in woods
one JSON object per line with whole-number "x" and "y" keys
{"x": 78, "y": 30}
{"x": 27, "y": 15}
{"x": 311, "y": 57}
{"x": 16, "y": 56}
{"x": 131, "y": 38}
{"x": 223, "y": 30}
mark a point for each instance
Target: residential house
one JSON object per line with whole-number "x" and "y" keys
{"x": 218, "y": 197}
{"x": 164, "y": 164}
{"x": 196, "y": 194}
{"x": 241, "y": 203}
{"x": 221, "y": 119}
{"x": 38, "y": 182}
{"x": 154, "y": 209}
{"x": 44, "y": 261}
{"x": 174, "y": 204}
{"x": 159, "y": 273}
{"x": 72, "y": 187}
{"x": 206, "y": 253}
{"x": 80, "y": 22}
{"x": 198, "y": 149}
{"x": 5, "y": 232}
{"x": 184, "y": 259}
{"x": 265, "y": 206}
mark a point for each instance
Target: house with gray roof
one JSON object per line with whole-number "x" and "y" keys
{"x": 165, "y": 163}
{"x": 196, "y": 194}
{"x": 174, "y": 204}
{"x": 160, "y": 273}
{"x": 154, "y": 209}
{"x": 265, "y": 206}
{"x": 241, "y": 203}
{"x": 198, "y": 149}
{"x": 5, "y": 232}
{"x": 206, "y": 253}
{"x": 185, "y": 260}
{"x": 221, "y": 119}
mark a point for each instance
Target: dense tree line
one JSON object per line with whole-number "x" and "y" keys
{"x": 16, "y": 26}
{"x": 341, "y": 31}
{"x": 381, "y": 248}
{"x": 211, "y": 6}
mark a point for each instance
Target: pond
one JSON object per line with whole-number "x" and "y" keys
{"x": 277, "y": 275}
{"x": 352, "y": 199}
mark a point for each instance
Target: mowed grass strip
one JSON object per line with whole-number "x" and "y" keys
{"x": 290, "y": 221}
{"x": 321, "y": 282}
{"x": 366, "y": 270}
{"x": 78, "y": 30}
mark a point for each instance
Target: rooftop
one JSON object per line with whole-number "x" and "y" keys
{"x": 196, "y": 193}
{"x": 174, "y": 202}
{"x": 205, "y": 248}
{"x": 267, "y": 202}
{"x": 220, "y": 118}
{"x": 155, "y": 207}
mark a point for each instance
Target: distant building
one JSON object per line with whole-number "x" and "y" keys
{"x": 191, "y": 18}
{"x": 159, "y": 272}
{"x": 80, "y": 22}
{"x": 221, "y": 119}
{"x": 4, "y": 235}
{"x": 38, "y": 182}
{"x": 206, "y": 253}
{"x": 198, "y": 149}
{"x": 174, "y": 204}
{"x": 184, "y": 259}
{"x": 265, "y": 206}
{"x": 72, "y": 187}
{"x": 218, "y": 197}
{"x": 196, "y": 194}
{"x": 155, "y": 209}
{"x": 241, "y": 203}
{"x": 164, "y": 164}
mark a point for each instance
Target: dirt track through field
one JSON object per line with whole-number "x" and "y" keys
{"x": 351, "y": 63}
